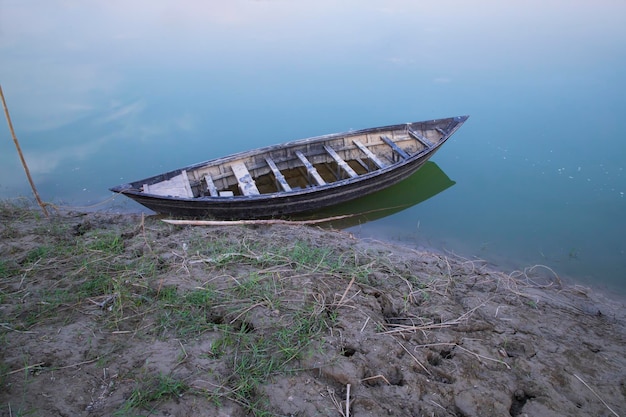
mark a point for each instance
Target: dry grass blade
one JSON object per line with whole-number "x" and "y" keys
{"x": 225, "y": 257}
{"x": 15, "y": 330}
{"x": 379, "y": 376}
{"x": 476, "y": 355}
{"x": 483, "y": 357}
{"x": 415, "y": 359}
{"x": 399, "y": 328}
{"x": 244, "y": 311}
{"x": 346, "y": 292}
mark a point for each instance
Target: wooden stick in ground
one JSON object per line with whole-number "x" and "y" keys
{"x": 19, "y": 151}
{"x": 270, "y": 221}
{"x": 245, "y": 222}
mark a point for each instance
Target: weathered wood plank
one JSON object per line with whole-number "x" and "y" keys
{"x": 177, "y": 186}
{"x": 310, "y": 169}
{"x": 395, "y": 147}
{"x": 343, "y": 164}
{"x": 370, "y": 154}
{"x": 280, "y": 178}
{"x": 245, "y": 180}
{"x": 420, "y": 138}
{"x": 211, "y": 185}
{"x": 186, "y": 183}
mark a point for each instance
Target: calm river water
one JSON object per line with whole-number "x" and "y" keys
{"x": 104, "y": 92}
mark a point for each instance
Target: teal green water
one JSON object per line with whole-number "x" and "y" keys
{"x": 105, "y": 92}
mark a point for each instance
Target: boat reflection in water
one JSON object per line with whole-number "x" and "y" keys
{"x": 429, "y": 181}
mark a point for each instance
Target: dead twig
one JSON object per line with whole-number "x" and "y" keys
{"x": 399, "y": 328}
{"x": 78, "y": 364}
{"x": 253, "y": 306}
{"x": 348, "y": 400}
{"x": 483, "y": 357}
{"x": 26, "y": 368}
{"x": 477, "y": 355}
{"x": 108, "y": 299}
{"x": 346, "y": 292}
{"x": 143, "y": 232}
{"x": 223, "y": 257}
{"x": 365, "y": 324}
{"x": 331, "y": 394}
{"x": 415, "y": 359}
{"x": 596, "y": 394}
{"x": 6, "y": 326}
{"x": 379, "y": 376}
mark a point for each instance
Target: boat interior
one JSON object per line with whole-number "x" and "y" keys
{"x": 311, "y": 163}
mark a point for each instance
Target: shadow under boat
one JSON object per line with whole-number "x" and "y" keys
{"x": 427, "y": 182}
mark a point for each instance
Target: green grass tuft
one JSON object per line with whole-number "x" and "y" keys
{"x": 149, "y": 393}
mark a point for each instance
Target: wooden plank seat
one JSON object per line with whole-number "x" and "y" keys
{"x": 186, "y": 183}
{"x": 244, "y": 179}
{"x": 310, "y": 169}
{"x": 280, "y": 178}
{"x": 177, "y": 186}
{"x": 420, "y": 138}
{"x": 376, "y": 160}
{"x": 343, "y": 164}
{"x": 211, "y": 186}
{"x": 395, "y": 147}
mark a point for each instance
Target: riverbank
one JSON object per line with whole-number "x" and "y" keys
{"x": 124, "y": 315}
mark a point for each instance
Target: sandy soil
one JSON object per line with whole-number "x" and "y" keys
{"x": 117, "y": 315}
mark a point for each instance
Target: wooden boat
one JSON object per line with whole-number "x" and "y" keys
{"x": 295, "y": 177}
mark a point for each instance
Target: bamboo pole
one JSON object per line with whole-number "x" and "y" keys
{"x": 19, "y": 151}
{"x": 253, "y": 222}
{"x": 182, "y": 222}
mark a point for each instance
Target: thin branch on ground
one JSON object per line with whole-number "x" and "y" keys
{"x": 596, "y": 394}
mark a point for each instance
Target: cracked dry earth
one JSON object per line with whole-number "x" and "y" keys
{"x": 288, "y": 321}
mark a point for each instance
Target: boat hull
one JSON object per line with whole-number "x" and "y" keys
{"x": 298, "y": 201}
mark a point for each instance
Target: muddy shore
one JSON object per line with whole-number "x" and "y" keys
{"x": 123, "y": 315}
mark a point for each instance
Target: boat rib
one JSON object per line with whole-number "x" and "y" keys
{"x": 310, "y": 169}
{"x": 380, "y": 164}
{"x": 399, "y": 151}
{"x": 420, "y": 138}
{"x": 280, "y": 178}
{"x": 343, "y": 164}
